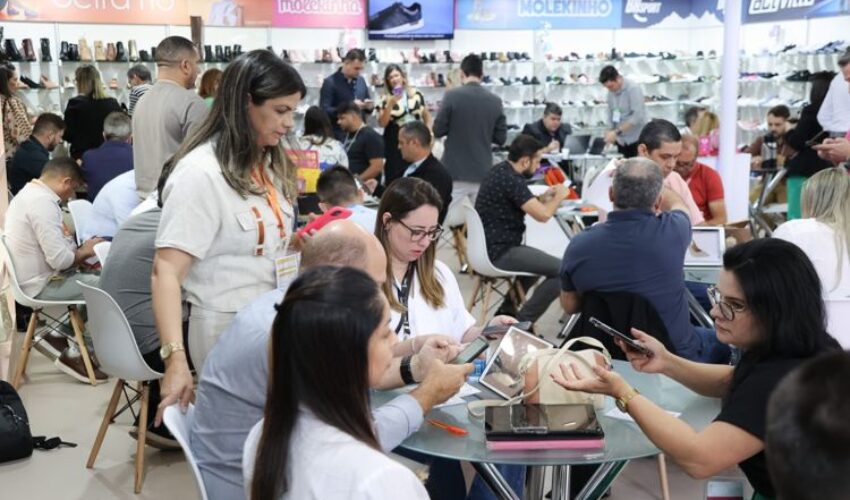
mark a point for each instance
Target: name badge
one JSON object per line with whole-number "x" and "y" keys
{"x": 286, "y": 264}
{"x": 615, "y": 117}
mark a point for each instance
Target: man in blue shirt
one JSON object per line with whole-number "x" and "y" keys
{"x": 32, "y": 154}
{"x": 641, "y": 251}
{"x": 345, "y": 86}
{"x": 113, "y": 157}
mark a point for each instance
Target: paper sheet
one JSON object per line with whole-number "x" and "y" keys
{"x": 457, "y": 399}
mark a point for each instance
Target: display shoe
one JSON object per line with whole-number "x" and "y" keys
{"x": 64, "y": 51}
{"x": 29, "y": 82}
{"x": 449, "y": 58}
{"x": 120, "y": 53}
{"x": 47, "y": 83}
{"x": 45, "y": 50}
{"x": 29, "y": 51}
{"x": 110, "y": 52}
{"x": 376, "y": 80}
{"x": 326, "y": 56}
{"x": 144, "y": 56}
{"x": 228, "y": 54}
{"x": 373, "y": 56}
{"x": 113, "y": 84}
{"x": 441, "y": 82}
{"x": 208, "y": 54}
{"x": 85, "y": 51}
{"x": 237, "y": 51}
{"x": 284, "y": 54}
{"x": 219, "y": 54}
{"x": 153, "y": 53}
{"x": 133, "y": 51}
{"x": 12, "y": 52}
{"x": 71, "y": 363}
{"x": 99, "y": 51}
{"x": 503, "y": 58}
{"x": 69, "y": 84}
{"x": 73, "y": 52}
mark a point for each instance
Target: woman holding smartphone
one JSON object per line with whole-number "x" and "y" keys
{"x": 400, "y": 104}
{"x": 767, "y": 303}
{"x": 317, "y": 439}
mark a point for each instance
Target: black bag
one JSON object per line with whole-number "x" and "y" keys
{"x": 15, "y": 437}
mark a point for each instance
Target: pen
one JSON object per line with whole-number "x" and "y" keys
{"x": 451, "y": 429}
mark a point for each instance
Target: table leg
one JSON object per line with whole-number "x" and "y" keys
{"x": 534, "y": 483}
{"x": 601, "y": 480}
{"x": 561, "y": 482}
{"x": 497, "y": 484}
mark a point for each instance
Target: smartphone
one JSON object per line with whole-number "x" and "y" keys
{"x": 819, "y": 138}
{"x": 496, "y": 331}
{"x": 471, "y": 351}
{"x": 634, "y": 344}
{"x": 323, "y": 220}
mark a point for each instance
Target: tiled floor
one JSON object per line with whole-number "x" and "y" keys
{"x": 59, "y": 406}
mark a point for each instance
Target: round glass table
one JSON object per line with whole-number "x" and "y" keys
{"x": 624, "y": 441}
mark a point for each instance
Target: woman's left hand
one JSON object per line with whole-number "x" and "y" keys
{"x": 502, "y": 320}
{"x": 603, "y": 381}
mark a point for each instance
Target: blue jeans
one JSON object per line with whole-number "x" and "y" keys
{"x": 711, "y": 350}
{"x": 513, "y": 474}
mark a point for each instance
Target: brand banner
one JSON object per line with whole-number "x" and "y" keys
{"x": 643, "y": 13}
{"x": 535, "y": 14}
{"x": 756, "y": 11}
{"x": 319, "y": 13}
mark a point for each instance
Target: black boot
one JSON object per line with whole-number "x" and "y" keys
{"x": 120, "y": 54}
{"x": 441, "y": 82}
{"x": 12, "y": 52}
{"x": 208, "y": 55}
{"x": 237, "y": 51}
{"x": 153, "y": 54}
{"x": 64, "y": 51}
{"x": 219, "y": 54}
{"x": 448, "y": 55}
{"x": 144, "y": 56}
{"x": 228, "y": 54}
{"x": 29, "y": 50}
{"x": 73, "y": 52}
{"x": 45, "y": 50}
{"x": 30, "y": 83}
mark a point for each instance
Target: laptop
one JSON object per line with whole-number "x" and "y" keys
{"x": 597, "y": 147}
{"x": 577, "y": 144}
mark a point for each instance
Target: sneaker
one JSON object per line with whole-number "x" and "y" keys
{"x": 51, "y": 344}
{"x": 71, "y": 362}
{"x": 157, "y": 437}
{"x": 397, "y": 19}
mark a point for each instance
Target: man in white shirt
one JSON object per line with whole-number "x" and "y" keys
{"x": 232, "y": 386}
{"x": 336, "y": 187}
{"x": 113, "y": 206}
{"x": 834, "y": 114}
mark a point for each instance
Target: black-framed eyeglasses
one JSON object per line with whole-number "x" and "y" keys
{"x": 416, "y": 235}
{"x": 727, "y": 310}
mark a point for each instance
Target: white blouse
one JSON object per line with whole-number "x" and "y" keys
{"x": 331, "y": 152}
{"x": 817, "y": 240}
{"x": 327, "y": 463}
{"x": 452, "y": 320}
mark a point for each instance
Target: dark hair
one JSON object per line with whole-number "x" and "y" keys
{"x": 322, "y": 328}
{"x": 820, "y": 86}
{"x": 692, "y": 114}
{"x": 355, "y": 55}
{"x": 390, "y": 68}
{"x": 780, "y": 111}
{"x": 141, "y": 71}
{"x": 418, "y": 131}
{"x": 783, "y": 293}
{"x": 257, "y": 76}
{"x": 317, "y": 123}
{"x": 6, "y": 73}
{"x": 657, "y": 132}
{"x": 524, "y": 146}
{"x": 552, "y": 109}
{"x": 336, "y": 186}
{"x": 472, "y": 65}
{"x": 173, "y": 49}
{"x": 62, "y": 167}
{"x": 608, "y": 74}
{"x": 348, "y": 107}
{"x": 807, "y": 436}
{"x": 210, "y": 81}
{"x": 47, "y": 123}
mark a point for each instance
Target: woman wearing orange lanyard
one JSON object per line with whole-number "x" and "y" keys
{"x": 227, "y": 214}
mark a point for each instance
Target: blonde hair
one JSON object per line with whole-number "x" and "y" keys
{"x": 89, "y": 82}
{"x": 826, "y": 198}
{"x": 705, "y": 124}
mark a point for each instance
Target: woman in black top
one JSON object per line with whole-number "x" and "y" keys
{"x": 767, "y": 302}
{"x": 85, "y": 113}
{"x": 401, "y": 103}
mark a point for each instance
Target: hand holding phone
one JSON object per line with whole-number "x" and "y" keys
{"x": 817, "y": 139}
{"x": 630, "y": 342}
{"x": 471, "y": 351}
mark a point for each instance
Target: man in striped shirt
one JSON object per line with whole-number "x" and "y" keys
{"x": 139, "y": 78}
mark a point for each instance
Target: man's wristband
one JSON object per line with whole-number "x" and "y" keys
{"x": 405, "y": 371}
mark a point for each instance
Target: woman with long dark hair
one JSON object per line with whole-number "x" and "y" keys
{"x": 318, "y": 136}
{"x": 227, "y": 214}
{"x": 400, "y": 103}
{"x": 85, "y": 113}
{"x": 17, "y": 125}
{"x": 317, "y": 440}
{"x": 768, "y": 304}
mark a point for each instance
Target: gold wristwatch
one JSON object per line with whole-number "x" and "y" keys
{"x": 623, "y": 403}
{"x": 170, "y": 348}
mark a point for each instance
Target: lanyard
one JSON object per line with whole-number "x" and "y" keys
{"x": 403, "y": 293}
{"x": 259, "y": 176}
{"x": 350, "y": 141}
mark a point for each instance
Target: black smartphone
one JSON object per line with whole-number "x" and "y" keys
{"x": 496, "y": 331}
{"x": 817, "y": 139}
{"x": 634, "y": 344}
{"x": 471, "y": 351}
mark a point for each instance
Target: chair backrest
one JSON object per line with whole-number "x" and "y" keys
{"x": 81, "y": 213}
{"x": 18, "y": 293}
{"x": 179, "y": 424}
{"x": 456, "y": 215}
{"x": 113, "y": 338}
{"x": 838, "y": 320}
{"x": 101, "y": 250}
{"x": 476, "y": 246}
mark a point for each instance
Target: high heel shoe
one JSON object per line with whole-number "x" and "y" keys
{"x": 12, "y": 52}
{"x": 29, "y": 51}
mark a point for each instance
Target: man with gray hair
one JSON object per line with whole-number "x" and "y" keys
{"x": 640, "y": 249}
{"x": 139, "y": 80}
{"x": 113, "y": 157}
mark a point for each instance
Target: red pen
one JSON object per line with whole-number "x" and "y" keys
{"x": 451, "y": 429}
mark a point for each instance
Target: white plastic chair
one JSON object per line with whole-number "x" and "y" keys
{"x": 488, "y": 276}
{"x": 179, "y": 425}
{"x": 838, "y": 320}
{"x": 456, "y": 235}
{"x": 38, "y": 307}
{"x": 119, "y": 357}
{"x": 81, "y": 213}
{"x": 101, "y": 250}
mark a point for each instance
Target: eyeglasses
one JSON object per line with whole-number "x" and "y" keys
{"x": 416, "y": 235}
{"x": 727, "y": 310}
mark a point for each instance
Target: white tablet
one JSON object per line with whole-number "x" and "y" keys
{"x": 706, "y": 248}
{"x": 501, "y": 375}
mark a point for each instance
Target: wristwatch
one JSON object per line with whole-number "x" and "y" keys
{"x": 405, "y": 371}
{"x": 170, "y": 348}
{"x": 623, "y": 403}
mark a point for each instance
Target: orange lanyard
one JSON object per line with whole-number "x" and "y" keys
{"x": 259, "y": 176}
